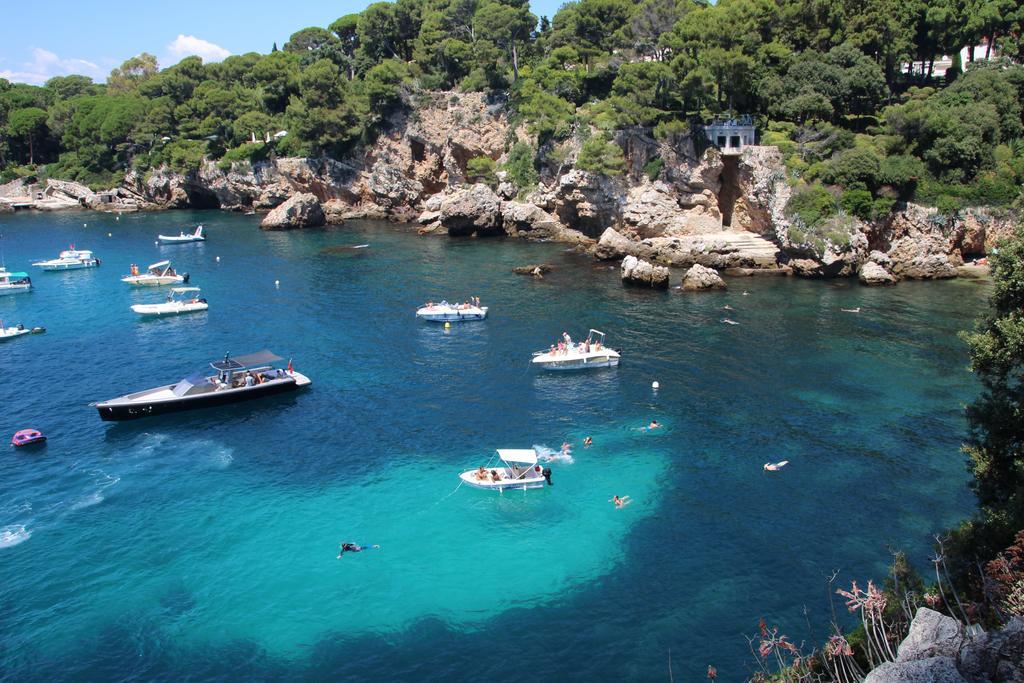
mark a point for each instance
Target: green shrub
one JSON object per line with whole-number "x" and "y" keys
{"x": 811, "y": 204}
{"x": 857, "y": 203}
{"x": 520, "y": 166}
{"x": 948, "y": 204}
{"x": 667, "y": 129}
{"x": 859, "y": 165}
{"x": 601, "y": 157}
{"x": 481, "y": 170}
{"x": 654, "y": 167}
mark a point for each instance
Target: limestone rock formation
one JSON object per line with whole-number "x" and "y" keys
{"x": 637, "y": 272}
{"x": 612, "y": 245}
{"x": 872, "y": 273}
{"x": 472, "y": 210}
{"x": 699, "y": 278}
{"x": 937, "y": 649}
{"x": 586, "y": 202}
{"x": 534, "y": 269}
{"x": 528, "y": 220}
{"x": 301, "y": 211}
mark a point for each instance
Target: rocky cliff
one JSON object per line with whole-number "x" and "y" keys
{"x": 678, "y": 203}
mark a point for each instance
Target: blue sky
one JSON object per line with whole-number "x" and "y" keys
{"x": 60, "y": 37}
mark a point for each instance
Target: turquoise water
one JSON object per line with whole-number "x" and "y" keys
{"x": 203, "y": 545}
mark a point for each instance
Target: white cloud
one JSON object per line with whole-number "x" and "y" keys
{"x": 44, "y": 65}
{"x": 186, "y": 46}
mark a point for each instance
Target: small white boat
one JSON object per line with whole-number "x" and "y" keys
{"x": 70, "y": 259}
{"x": 156, "y": 275}
{"x": 518, "y": 471}
{"x": 14, "y": 283}
{"x": 183, "y": 236}
{"x": 446, "y": 312}
{"x": 591, "y": 353}
{"x": 180, "y": 300}
{"x": 17, "y": 331}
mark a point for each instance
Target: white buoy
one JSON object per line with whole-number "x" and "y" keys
{"x": 218, "y": 259}
{"x": 117, "y": 217}
{"x": 110, "y": 234}
{"x": 85, "y": 225}
{"x": 157, "y": 243}
{"x": 447, "y": 326}
{"x": 277, "y": 283}
{"x": 655, "y": 385}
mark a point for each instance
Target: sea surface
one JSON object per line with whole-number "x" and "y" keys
{"x": 203, "y": 545}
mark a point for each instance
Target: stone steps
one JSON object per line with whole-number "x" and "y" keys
{"x": 758, "y": 249}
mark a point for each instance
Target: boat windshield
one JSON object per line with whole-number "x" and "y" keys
{"x": 182, "y": 387}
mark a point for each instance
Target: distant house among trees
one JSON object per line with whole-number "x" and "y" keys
{"x": 968, "y": 54}
{"x": 731, "y": 135}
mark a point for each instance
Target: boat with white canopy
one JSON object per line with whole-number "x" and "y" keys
{"x": 14, "y": 283}
{"x": 590, "y": 353}
{"x": 180, "y": 300}
{"x": 519, "y": 470}
{"x": 157, "y": 275}
{"x": 236, "y": 379}
{"x": 446, "y": 312}
{"x": 183, "y": 237}
{"x": 70, "y": 259}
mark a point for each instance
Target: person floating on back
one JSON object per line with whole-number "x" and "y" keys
{"x": 775, "y": 466}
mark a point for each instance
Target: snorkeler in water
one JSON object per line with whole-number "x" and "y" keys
{"x": 354, "y": 548}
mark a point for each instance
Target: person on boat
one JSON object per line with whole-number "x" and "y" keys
{"x": 495, "y": 476}
{"x": 587, "y": 442}
{"x": 249, "y": 381}
{"x": 567, "y": 338}
{"x": 597, "y": 345}
{"x": 354, "y": 548}
{"x": 586, "y": 346}
{"x": 134, "y": 269}
{"x": 481, "y": 473}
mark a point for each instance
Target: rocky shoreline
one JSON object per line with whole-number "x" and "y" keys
{"x": 723, "y": 213}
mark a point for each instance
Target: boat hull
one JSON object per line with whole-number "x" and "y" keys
{"x": 15, "y": 289}
{"x": 578, "y": 363}
{"x": 91, "y": 263}
{"x": 173, "y": 239}
{"x": 116, "y": 411}
{"x": 446, "y": 315}
{"x": 144, "y": 281}
{"x": 469, "y": 479}
{"x": 163, "y": 309}
{"x": 11, "y": 333}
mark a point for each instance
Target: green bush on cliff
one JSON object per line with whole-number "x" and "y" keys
{"x": 520, "y": 166}
{"x": 480, "y": 170}
{"x": 601, "y": 157}
{"x": 811, "y": 204}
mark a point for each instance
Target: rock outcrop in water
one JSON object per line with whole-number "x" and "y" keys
{"x": 301, "y": 211}
{"x": 938, "y": 650}
{"x": 699, "y": 278}
{"x": 637, "y": 272}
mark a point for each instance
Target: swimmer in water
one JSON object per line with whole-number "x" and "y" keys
{"x": 354, "y": 548}
{"x": 775, "y": 466}
{"x": 621, "y": 502}
{"x": 654, "y": 425}
{"x": 587, "y": 442}
{"x": 566, "y": 448}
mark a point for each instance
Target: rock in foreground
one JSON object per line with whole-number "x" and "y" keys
{"x": 699, "y": 278}
{"x": 637, "y": 272}
{"x": 872, "y": 273}
{"x": 301, "y": 211}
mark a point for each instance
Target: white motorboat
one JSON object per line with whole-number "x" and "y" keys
{"x": 156, "y": 275}
{"x": 519, "y": 470}
{"x": 14, "y": 283}
{"x": 591, "y": 353}
{"x": 180, "y": 300}
{"x": 446, "y": 312}
{"x": 183, "y": 237}
{"x": 17, "y": 331}
{"x": 70, "y": 259}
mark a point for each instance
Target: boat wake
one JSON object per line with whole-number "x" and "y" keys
{"x": 104, "y": 481}
{"x": 545, "y": 454}
{"x": 13, "y": 535}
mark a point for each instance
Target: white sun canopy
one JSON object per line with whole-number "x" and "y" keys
{"x": 182, "y": 290}
{"x": 160, "y": 264}
{"x": 518, "y": 455}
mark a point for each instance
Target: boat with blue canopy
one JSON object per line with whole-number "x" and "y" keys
{"x": 14, "y": 283}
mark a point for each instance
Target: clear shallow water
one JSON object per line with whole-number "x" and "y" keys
{"x": 203, "y": 545}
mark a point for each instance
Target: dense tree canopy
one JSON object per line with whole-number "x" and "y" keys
{"x": 830, "y": 81}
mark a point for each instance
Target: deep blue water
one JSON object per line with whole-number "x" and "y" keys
{"x": 203, "y": 545}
